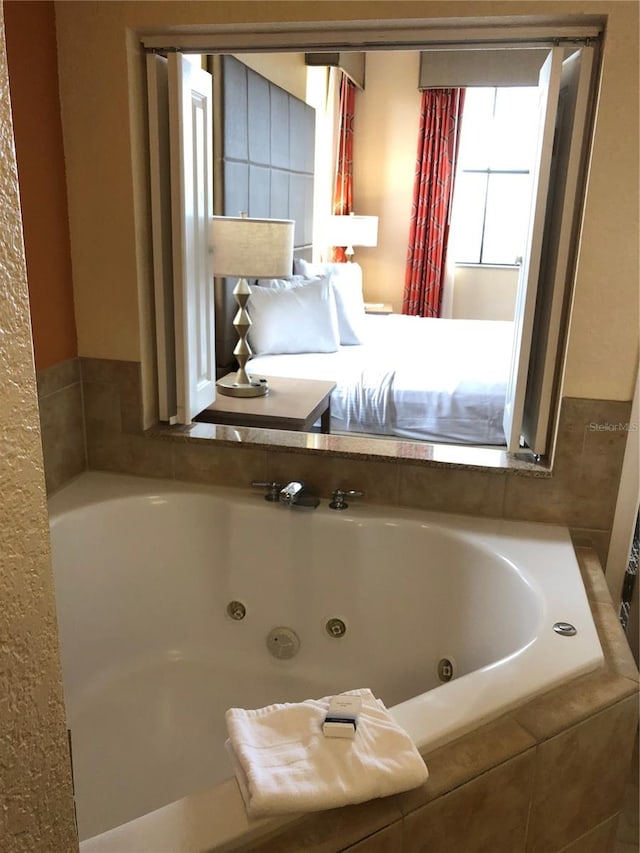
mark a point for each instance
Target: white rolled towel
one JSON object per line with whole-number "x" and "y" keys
{"x": 284, "y": 764}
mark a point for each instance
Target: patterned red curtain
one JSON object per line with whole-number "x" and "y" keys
{"x": 438, "y": 140}
{"x": 343, "y": 190}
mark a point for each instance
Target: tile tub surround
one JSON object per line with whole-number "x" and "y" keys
{"x": 548, "y": 777}
{"x": 586, "y": 726}
{"x": 580, "y": 492}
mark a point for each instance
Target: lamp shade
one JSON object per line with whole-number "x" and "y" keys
{"x": 251, "y": 248}
{"x": 352, "y": 230}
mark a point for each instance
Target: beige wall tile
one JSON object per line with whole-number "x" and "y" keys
{"x": 568, "y": 497}
{"x": 597, "y": 540}
{"x": 614, "y": 641}
{"x": 388, "y": 840}
{"x": 572, "y": 703}
{"x": 124, "y": 378}
{"x": 60, "y": 404}
{"x": 629, "y": 824}
{"x": 582, "y": 490}
{"x": 129, "y": 454}
{"x": 590, "y": 429}
{"x": 63, "y": 442}
{"x": 581, "y": 776}
{"x": 486, "y": 815}
{"x": 467, "y": 757}
{"x": 101, "y": 408}
{"x": 58, "y": 376}
{"x": 205, "y": 462}
{"x": 623, "y": 847}
{"x": 130, "y": 386}
{"x": 451, "y": 490}
{"x": 602, "y": 839}
{"x": 592, "y": 575}
{"x": 334, "y": 830}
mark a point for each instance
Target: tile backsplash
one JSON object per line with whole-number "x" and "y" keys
{"x": 62, "y": 422}
{"x": 91, "y": 415}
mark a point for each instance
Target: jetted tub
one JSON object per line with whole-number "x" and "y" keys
{"x": 150, "y": 574}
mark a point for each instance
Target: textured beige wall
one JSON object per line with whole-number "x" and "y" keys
{"x": 36, "y": 806}
{"x": 104, "y": 135}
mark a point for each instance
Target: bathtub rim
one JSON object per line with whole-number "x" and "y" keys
{"x": 224, "y": 804}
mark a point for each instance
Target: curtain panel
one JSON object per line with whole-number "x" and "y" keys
{"x": 343, "y": 190}
{"x": 438, "y": 142}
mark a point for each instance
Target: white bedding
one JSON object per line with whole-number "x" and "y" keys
{"x": 417, "y": 378}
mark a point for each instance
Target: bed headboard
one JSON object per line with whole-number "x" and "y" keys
{"x": 264, "y": 140}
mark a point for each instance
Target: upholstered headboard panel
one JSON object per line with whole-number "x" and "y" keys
{"x": 264, "y": 141}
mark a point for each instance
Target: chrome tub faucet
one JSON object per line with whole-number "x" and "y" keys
{"x": 294, "y": 494}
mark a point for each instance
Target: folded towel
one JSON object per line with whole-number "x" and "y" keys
{"x": 284, "y": 764}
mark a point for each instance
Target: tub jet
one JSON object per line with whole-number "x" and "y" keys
{"x": 446, "y": 669}
{"x": 283, "y": 643}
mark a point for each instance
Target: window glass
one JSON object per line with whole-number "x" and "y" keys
{"x": 475, "y": 136}
{"x": 506, "y": 218}
{"x": 468, "y": 215}
{"x": 514, "y": 129}
{"x": 491, "y": 200}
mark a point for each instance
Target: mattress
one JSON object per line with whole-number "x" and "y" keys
{"x": 413, "y": 377}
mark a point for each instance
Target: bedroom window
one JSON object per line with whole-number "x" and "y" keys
{"x": 522, "y": 144}
{"x": 493, "y": 185}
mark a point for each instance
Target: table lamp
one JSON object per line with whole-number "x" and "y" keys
{"x": 248, "y": 248}
{"x": 350, "y": 230}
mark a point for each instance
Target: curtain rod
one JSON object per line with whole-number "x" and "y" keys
{"x": 308, "y": 41}
{"x": 422, "y": 46}
{"x": 434, "y": 47}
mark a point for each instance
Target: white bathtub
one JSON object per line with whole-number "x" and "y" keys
{"x": 145, "y": 569}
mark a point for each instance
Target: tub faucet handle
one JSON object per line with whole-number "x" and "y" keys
{"x": 273, "y": 489}
{"x": 338, "y": 497}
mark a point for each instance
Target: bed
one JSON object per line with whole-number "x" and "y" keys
{"x": 415, "y": 378}
{"x": 411, "y": 377}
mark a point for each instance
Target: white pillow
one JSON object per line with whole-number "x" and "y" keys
{"x": 293, "y": 319}
{"x": 282, "y": 283}
{"x": 346, "y": 280}
{"x": 309, "y": 270}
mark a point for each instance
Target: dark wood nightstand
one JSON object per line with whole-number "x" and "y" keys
{"x": 294, "y": 404}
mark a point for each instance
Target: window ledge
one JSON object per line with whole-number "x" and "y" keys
{"x": 466, "y": 265}
{"x": 359, "y": 448}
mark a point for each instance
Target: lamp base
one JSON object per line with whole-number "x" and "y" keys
{"x": 230, "y": 387}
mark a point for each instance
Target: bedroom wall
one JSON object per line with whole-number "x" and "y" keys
{"x": 384, "y": 155}
{"x": 108, "y": 208}
{"x": 484, "y": 293}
